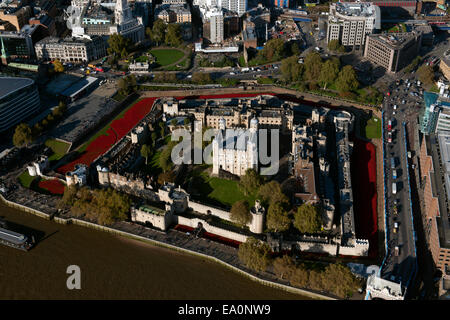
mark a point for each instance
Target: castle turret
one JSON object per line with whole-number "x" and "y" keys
{"x": 258, "y": 212}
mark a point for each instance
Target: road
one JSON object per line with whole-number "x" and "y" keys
{"x": 399, "y": 268}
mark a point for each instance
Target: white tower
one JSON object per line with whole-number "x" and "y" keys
{"x": 254, "y": 125}
{"x": 222, "y": 124}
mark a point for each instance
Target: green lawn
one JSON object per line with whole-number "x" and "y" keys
{"x": 25, "y": 179}
{"x": 219, "y": 191}
{"x": 165, "y": 57}
{"x": 59, "y": 148}
{"x": 373, "y": 128}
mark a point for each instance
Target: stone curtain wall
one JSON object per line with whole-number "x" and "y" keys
{"x": 193, "y": 223}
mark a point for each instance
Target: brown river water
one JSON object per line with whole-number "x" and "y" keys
{"x": 113, "y": 267}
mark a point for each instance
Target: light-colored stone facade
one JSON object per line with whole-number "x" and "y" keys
{"x": 70, "y": 49}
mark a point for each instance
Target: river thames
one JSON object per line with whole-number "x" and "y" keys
{"x": 113, "y": 267}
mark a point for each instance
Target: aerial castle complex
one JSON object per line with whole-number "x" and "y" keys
{"x": 312, "y": 162}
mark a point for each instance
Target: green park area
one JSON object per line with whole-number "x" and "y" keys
{"x": 165, "y": 57}
{"x": 59, "y": 148}
{"x": 373, "y": 128}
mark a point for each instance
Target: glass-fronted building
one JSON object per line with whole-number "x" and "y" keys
{"x": 435, "y": 115}
{"x": 19, "y": 99}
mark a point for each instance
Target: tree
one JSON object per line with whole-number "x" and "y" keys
{"x": 173, "y": 35}
{"x": 240, "y": 213}
{"x": 300, "y": 277}
{"x": 104, "y": 206}
{"x": 165, "y": 77}
{"x": 201, "y": 78}
{"x": 37, "y": 129}
{"x": 313, "y": 66}
{"x": 295, "y": 49}
{"x": 274, "y": 50}
{"x": 308, "y": 219}
{"x": 284, "y": 267}
{"x": 426, "y": 74}
{"x": 271, "y": 192}
{"x": 22, "y": 135}
{"x": 254, "y": 254}
{"x": 158, "y": 32}
{"x": 127, "y": 85}
{"x": 154, "y": 138}
{"x": 118, "y": 45}
{"x": 250, "y": 182}
{"x": 329, "y": 72}
{"x": 338, "y": 279}
{"x": 146, "y": 152}
{"x": 347, "y": 79}
{"x": 168, "y": 176}
{"x": 277, "y": 217}
{"x": 291, "y": 70}
{"x": 58, "y": 66}
{"x": 165, "y": 158}
{"x": 335, "y": 46}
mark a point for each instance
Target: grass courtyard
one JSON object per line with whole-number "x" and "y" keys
{"x": 217, "y": 191}
{"x": 58, "y": 147}
{"x": 165, "y": 57}
{"x": 373, "y": 128}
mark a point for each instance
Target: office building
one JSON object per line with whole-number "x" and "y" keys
{"x": 17, "y": 17}
{"x": 435, "y": 115}
{"x": 351, "y": 22}
{"x": 393, "y": 51}
{"x": 216, "y": 26}
{"x": 435, "y": 185}
{"x": 16, "y": 45}
{"x": 19, "y": 99}
{"x": 71, "y": 49}
{"x": 444, "y": 65}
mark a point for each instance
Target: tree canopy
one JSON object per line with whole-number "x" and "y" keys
{"x": 277, "y": 217}
{"x": 347, "y": 79}
{"x": 22, "y": 135}
{"x": 313, "y": 66}
{"x": 426, "y": 74}
{"x": 291, "y": 70}
{"x": 240, "y": 213}
{"x": 250, "y": 182}
{"x": 127, "y": 85}
{"x": 255, "y": 254}
{"x": 105, "y": 206}
{"x": 118, "y": 45}
{"x": 308, "y": 219}
{"x": 335, "y": 46}
{"x": 173, "y": 35}
{"x": 329, "y": 72}
{"x": 146, "y": 152}
{"x": 158, "y": 33}
{"x": 58, "y": 66}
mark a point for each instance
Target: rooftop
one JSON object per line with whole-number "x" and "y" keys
{"x": 396, "y": 40}
{"x": 9, "y": 84}
{"x": 359, "y": 9}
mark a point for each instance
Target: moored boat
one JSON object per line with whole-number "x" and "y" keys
{"x": 15, "y": 240}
